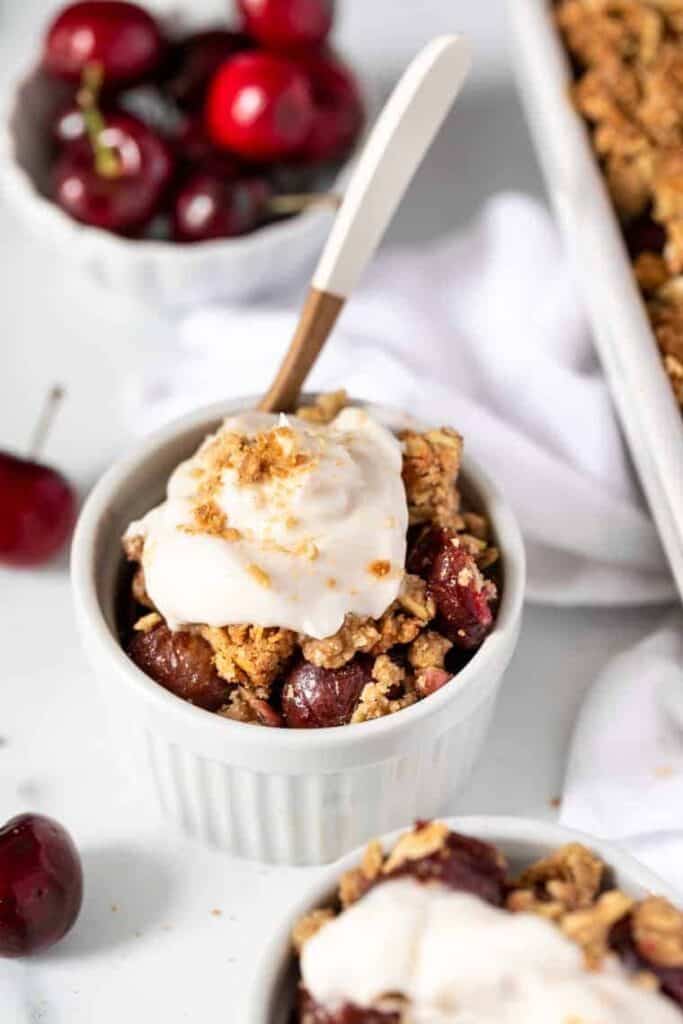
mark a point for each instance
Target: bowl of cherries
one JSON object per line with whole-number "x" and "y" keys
{"x": 183, "y": 164}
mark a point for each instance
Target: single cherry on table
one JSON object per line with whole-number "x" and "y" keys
{"x": 38, "y": 510}
{"x": 41, "y": 884}
{"x": 122, "y": 38}
{"x": 287, "y": 24}
{"x": 260, "y": 106}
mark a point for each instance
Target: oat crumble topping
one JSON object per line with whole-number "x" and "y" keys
{"x": 629, "y": 87}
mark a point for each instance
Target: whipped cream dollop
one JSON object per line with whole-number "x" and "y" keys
{"x": 276, "y": 521}
{"x": 459, "y": 960}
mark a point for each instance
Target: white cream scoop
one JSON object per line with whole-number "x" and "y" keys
{"x": 315, "y": 531}
{"x": 459, "y": 960}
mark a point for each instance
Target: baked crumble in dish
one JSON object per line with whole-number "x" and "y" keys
{"x": 438, "y": 931}
{"x": 310, "y": 571}
{"x": 628, "y": 62}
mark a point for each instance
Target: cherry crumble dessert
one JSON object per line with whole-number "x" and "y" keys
{"x": 628, "y": 59}
{"x": 310, "y": 571}
{"x": 438, "y": 931}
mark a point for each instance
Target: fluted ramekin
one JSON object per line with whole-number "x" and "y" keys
{"x": 281, "y": 795}
{"x": 270, "y": 999}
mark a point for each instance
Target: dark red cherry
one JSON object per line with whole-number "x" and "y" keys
{"x": 465, "y": 865}
{"x": 464, "y": 598}
{"x": 260, "y": 106}
{"x": 284, "y": 24}
{"x": 41, "y": 884}
{"x": 37, "y": 511}
{"x": 315, "y": 698}
{"x": 211, "y": 206}
{"x": 196, "y": 59}
{"x": 122, "y": 201}
{"x": 339, "y": 110}
{"x": 313, "y": 1013}
{"x": 181, "y": 663}
{"x": 643, "y": 234}
{"x": 622, "y": 941}
{"x": 121, "y": 37}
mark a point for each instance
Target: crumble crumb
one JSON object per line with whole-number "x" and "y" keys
{"x": 379, "y": 568}
{"x": 260, "y": 575}
{"x": 325, "y": 408}
{"x": 147, "y": 623}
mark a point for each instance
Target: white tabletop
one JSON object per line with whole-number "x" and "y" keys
{"x": 169, "y": 930}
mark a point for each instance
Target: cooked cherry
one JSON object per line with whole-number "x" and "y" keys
{"x": 314, "y": 1013}
{"x": 195, "y": 60}
{"x": 338, "y": 107}
{"x": 260, "y": 106}
{"x": 126, "y": 199}
{"x": 283, "y": 24}
{"x": 37, "y": 513}
{"x": 182, "y": 663}
{"x": 644, "y": 235}
{"x": 121, "y": 37}
{"x": 622, "y": 941}
{"x": 463, "y": 596}
{"x": 212, "y": 206}
{"x": 465, "y": 865}
{"x": 315, "y": 698}
{"x": 41, "y": 884}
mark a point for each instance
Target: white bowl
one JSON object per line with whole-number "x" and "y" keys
{"x": 159, "y": 272}
{"x": 283, "y": 796}
{"x": 272, "y": 995}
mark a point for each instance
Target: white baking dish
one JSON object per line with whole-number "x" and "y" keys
{"x": 284, "y": 796}
{"x": 272, "y": 995}
{"x": 650, "y": 417}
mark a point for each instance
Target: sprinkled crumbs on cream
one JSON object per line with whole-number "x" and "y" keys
{"x": 379, "y": 568}
{"x": 260, "y": 575}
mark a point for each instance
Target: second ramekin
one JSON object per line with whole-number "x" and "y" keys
{"x": 281, "y": 796}
{"x": 271, "y": 997}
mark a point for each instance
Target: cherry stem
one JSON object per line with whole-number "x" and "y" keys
{"x": 45, "y": 420}
{"x": 107, "y": 163}
{"x": 283, "y": 205}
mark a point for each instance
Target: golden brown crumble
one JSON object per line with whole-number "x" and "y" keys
{"x": 252, "y": 655}
{"x": 357, "y": 636}
{"x": 379, "y": 568}
{"x": 325, "y": 408}
{"x": 407, "y": 616}
{"x": 429, "y": 650}
{"x": 310, "y": 925}
{"x": 147, "y": 623}
{"x": 390, "y": 691}
{"x": 259, "y": 575}
{"x": 630, "y": 89}
{"x": 431, "y": 463}
{"x": 590, "y": 928}
{"x": 570, "y": 879}
{"x": 421, "y": 842}
{"x": 354, "y": 883}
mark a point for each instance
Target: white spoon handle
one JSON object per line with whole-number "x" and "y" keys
{"x": 394, "y": 151}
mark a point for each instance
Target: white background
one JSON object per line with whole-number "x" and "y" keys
{"x": 162, "y": 955}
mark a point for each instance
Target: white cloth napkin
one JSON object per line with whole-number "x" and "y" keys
{"x": 482, "y": 331}
{"x": 624, "y": 778}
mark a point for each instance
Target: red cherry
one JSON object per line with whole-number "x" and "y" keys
{"x": 123, "y": 38}
{"x": 339, "y": 112}
{"x": 127, "y": 200}
{"x": 182, "y": 663}
{"x": 315, "y": 698}
{"x": 37, "y": 513}
{"x": 209, "y": 206}
{"x": 260, "y": 106}
{"x": 41, "y": 884}
{"x": 282, "y": 24}
{"x": 196, "y": 59}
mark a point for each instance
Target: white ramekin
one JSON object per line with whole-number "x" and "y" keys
{"x": 282, "y": 796}
{"x": 270, "y": 999}
{"x": 158, "y": 272}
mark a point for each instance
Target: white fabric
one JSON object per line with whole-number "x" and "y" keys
{"x": 625, "y": 774}
{"x": 482, "y": 331}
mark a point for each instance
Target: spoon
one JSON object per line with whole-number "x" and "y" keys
{"x": 403, "y": 134}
